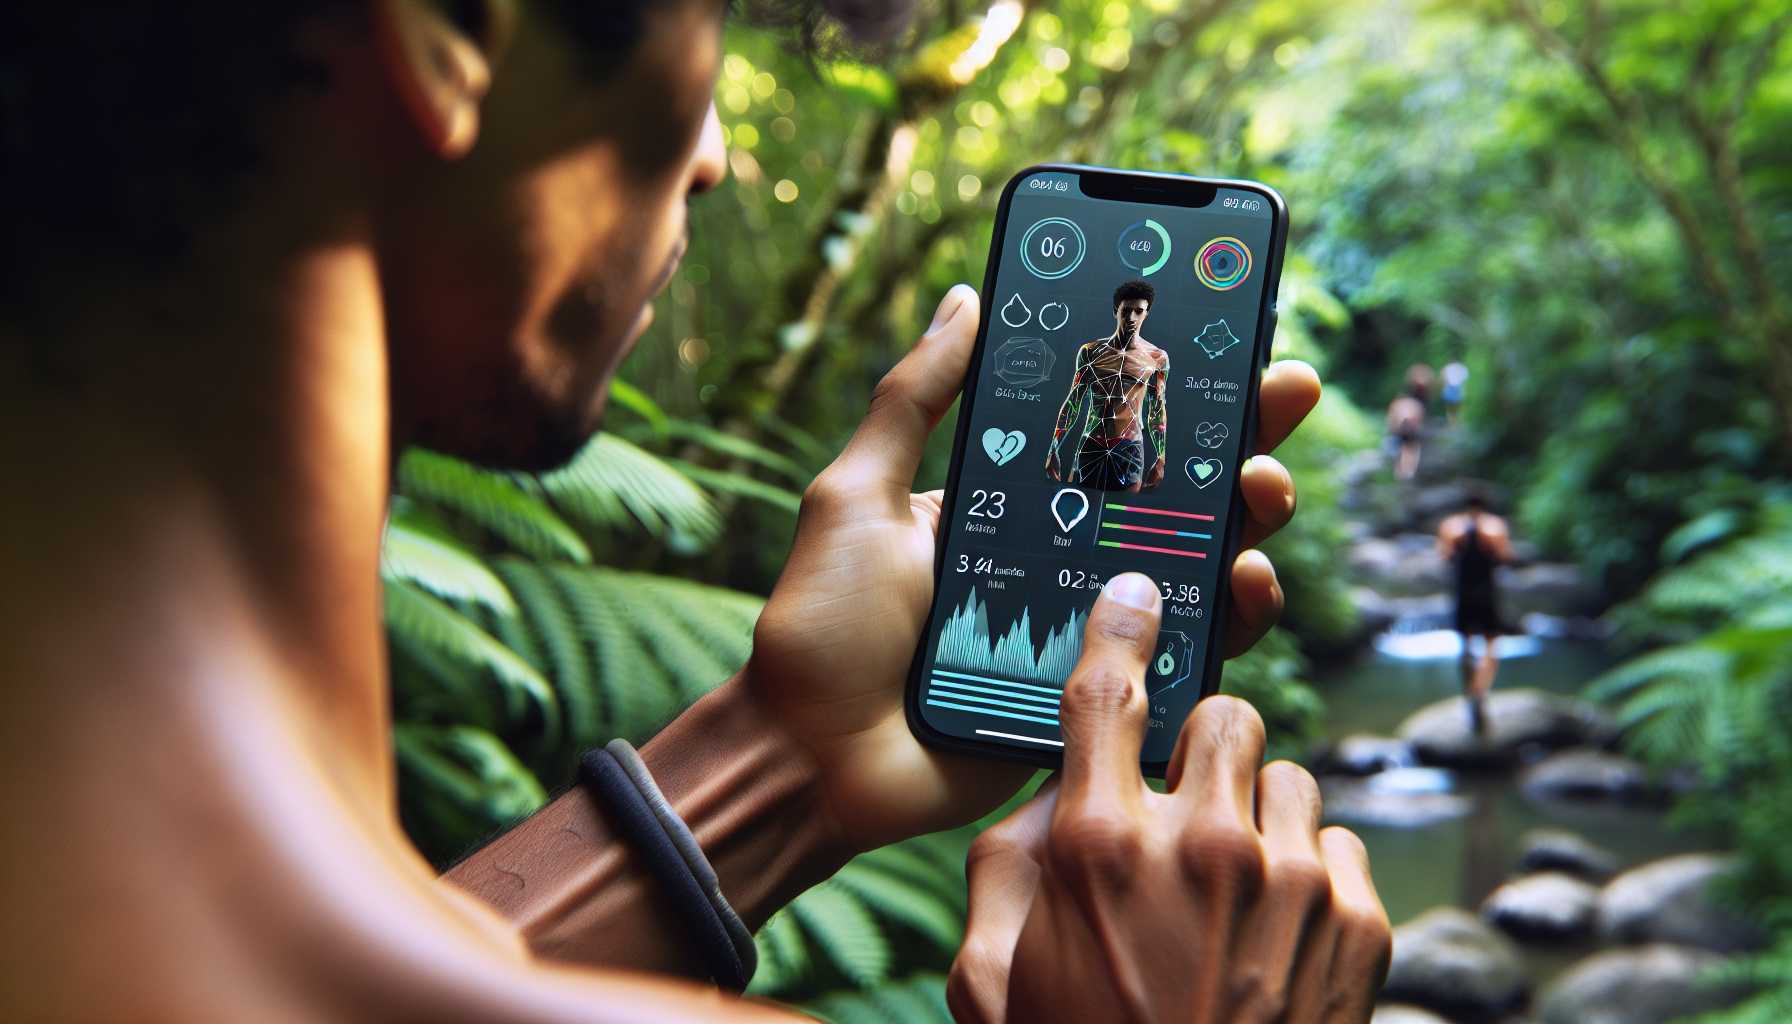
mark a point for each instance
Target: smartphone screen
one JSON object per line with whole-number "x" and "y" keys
{"x": 1112, "y": 398}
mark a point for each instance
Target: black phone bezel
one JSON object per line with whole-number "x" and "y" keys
{"x": 1162, "y": 189}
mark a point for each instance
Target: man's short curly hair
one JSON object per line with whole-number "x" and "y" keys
{"x": 1135, "y": 289}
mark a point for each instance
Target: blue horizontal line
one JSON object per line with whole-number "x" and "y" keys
{"x": 1054, "y": 691}
{"x": 1049, "y": 701}
{"x": 993, "y": 711}
{"x": 1176, "y": 533}
{"x": 998, "y": 703}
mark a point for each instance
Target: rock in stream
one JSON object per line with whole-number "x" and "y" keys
{"x": 1647, "y": 985}
{"x": 1551, "y": 907}
{"x": 1519, "y": 722}
{"x": 1450, "y": 961}
{"x": 1671, "y": 900}
{"x": 1557, "y": 849}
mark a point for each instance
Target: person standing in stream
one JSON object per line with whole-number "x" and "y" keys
{"x": 1476, "y": 541}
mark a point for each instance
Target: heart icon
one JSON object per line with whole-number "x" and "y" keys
{"x": 1211, "y": 435}
{"x": 1200, "y": 471}
{"x": 1001, "y": 445}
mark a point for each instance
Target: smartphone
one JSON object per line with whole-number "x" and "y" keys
{"x": 1127, "y": 318}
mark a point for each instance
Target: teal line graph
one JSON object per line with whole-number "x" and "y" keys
{"x": 965, "y": 646}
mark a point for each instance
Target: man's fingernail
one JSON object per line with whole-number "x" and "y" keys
{"x": 1132, "y": 589}
{"x": 948, "y": 308}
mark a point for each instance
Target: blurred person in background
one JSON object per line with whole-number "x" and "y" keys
{"x": 1455, "y": 381}
{"x": 1476, "y": 542}
{"x": 1406, "y": 421}
{"x": 253, "y": 251}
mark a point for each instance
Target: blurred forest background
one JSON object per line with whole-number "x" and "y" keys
{"x": 1587, "y": 202}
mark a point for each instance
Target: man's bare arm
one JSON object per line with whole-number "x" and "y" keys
{"x": 576, "y": 893}
{"x": 1501, "y": 538}
{"x": 1073, "y": 404}
{"x": 1160, "y": 413}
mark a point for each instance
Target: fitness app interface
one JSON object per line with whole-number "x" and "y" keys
{"x": 1105, "y": 436}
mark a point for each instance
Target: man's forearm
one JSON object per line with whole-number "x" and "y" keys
{"x": 1160, "y": 417}
{"x": 749, "y": 795}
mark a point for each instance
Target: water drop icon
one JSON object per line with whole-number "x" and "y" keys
{"x": 1016, "y": 313}
{"x": 1165, "y": 664}
{"x": 1060, "y": 507}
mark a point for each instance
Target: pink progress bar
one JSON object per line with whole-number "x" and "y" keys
{"x": 1146, "y": 547}
{"x": 1160, "y": 512}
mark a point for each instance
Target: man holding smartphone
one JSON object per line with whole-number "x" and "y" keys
{"x": 257, "y": 249}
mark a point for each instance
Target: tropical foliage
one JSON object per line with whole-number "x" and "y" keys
{"x": 512, "y": 650}
{"x": 1717, "y": 702}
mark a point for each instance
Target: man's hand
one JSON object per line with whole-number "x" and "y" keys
{"x": 1154, "y": 475}
{"x": 833, "y": 647}
{"x": 1219, "y": 900}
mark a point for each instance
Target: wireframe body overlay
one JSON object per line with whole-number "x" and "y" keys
{"x": 1125, "y": 379}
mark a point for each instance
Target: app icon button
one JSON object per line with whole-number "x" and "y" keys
{"x": 1173, "y": 666}
{"x": 1202, "y": 472}
{"x": 1024, "y": 362}
{"x": 1015, "y": 312}
{"x": 1145, "y": 247}
{"x": 1216, "y": 338}
{"x": 1069, "y": 506}
{"x": 1211, "y": 435}
{"x": 1223, "y": 264}
{"x": 1054, "y": 315}
{"x": 1052, "y": 248}
{"x": 1001, "y": 445}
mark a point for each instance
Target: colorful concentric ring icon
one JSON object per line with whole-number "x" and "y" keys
{"x": 1223, "y": 264}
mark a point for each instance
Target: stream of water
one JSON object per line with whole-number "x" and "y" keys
{"x": 1460, "y": 861}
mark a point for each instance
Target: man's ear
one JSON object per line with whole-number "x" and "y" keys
{"x": 441, "y": 65}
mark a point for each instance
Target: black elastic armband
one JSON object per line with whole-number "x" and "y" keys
{"x": 636, "y": 824}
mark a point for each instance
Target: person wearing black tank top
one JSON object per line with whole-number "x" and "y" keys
{"x": 1476, "y": 541}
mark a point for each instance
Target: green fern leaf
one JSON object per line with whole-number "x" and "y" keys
{"x": 735, "y": 447}
{"x": 427, "y": 686}
{"x": 426, "y": 624}
{"x": 567, "y": 660}
{"x": 613, "y": 484}
{"x": 842, "y": 930}
{"x": 492, "y": 500}
{"x": 740, "y": 485}
{"x": 940, "y": 872}
{"x": 808, "y": 445}
{"x": 689, "y": 630}
{"x": 418, "y": 549}
{"x": 783, "y": 956}
{"x": 638, "y": 695}
{"x": 919, "y": 999}
{"x": 1681, "y": 661}
{"x": 458, "y": 784}
{"x": 638, "y": 402}
{"x": 896, "y": 899}
{"x": 472, "y": 766}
